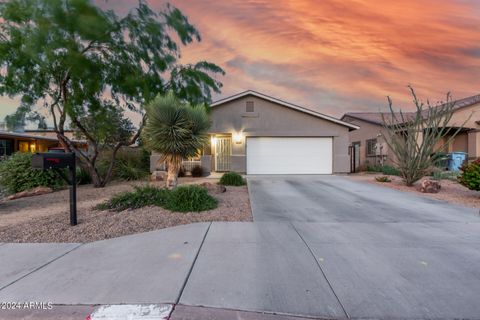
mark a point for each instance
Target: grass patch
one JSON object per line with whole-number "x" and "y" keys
{"x": 181, "y": 199}
{"x": 232, "y": 179}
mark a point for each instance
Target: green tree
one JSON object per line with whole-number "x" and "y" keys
{"x": 176, "y": 130}
{"x": 412, "y": 137}
{"x": 87, "y": 66}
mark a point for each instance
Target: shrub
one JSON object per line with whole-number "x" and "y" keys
{"x": 130, "y": 164}
{"x": 181, "y": 199}
{"x": 383, "y": 179}
{"x": 181, "y": 172}
{"x": 83, "y": 176}
{"x": 470, "y": 176}
{"x": 140, "y": 197}
{"x": 16, "y": 174}
{"x": 197, "y": 171}
{"x": 387, "y": 170}
{"x": 232, "y": 179}
{"x": 190, "y": 198}
{"x": 446, "y": 175}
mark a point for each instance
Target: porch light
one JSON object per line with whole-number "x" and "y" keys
{"x": 214, "y": 140}
{"x": 238, "y": 137}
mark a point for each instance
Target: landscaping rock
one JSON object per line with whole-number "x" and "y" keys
{"x": 214, "y": 188}
{"x": 158, "y": 176}
{"x": 429, "y": 186}
{"x": 30, "y": 193}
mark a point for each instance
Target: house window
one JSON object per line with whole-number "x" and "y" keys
{"x": 371, "y": 146}
{"x": 250, "y": 107}
{"x": 6, "y": 147}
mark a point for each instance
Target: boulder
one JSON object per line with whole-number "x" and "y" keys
{"x": 213, "y": 188}
{"x": 158, "y": 176}
{"x": 429, "y": 186}
{"x": 30, "y": 193}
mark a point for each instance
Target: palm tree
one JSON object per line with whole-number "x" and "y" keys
{"x": 176, "y": 130}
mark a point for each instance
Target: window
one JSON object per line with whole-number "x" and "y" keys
{"x": 250, "y": 107}
{"x": 6, "y": 147}
{"x": 371, "y": 147}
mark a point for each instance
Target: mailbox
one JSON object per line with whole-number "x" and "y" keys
{"x": 58, "y": 160}
{"x": 53, "y": 160}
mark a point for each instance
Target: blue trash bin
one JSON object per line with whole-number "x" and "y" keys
{"x": 456, "y": 160}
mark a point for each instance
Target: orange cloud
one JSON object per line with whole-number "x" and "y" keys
{"x": 337, "y": 55}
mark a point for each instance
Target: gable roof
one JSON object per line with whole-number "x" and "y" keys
{"x": 376, "y": 117}
{"x": 285, "y": 104}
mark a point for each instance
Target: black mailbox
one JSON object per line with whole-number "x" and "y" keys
{"x": 58, "y": 160}
{"x": 53, "y": 160}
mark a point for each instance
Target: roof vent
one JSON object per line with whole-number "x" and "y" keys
{"x": 250, "y": 107}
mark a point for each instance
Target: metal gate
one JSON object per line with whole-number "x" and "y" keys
{"x": 223, "y": 153}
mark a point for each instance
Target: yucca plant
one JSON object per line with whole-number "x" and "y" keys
{"x": 176, "y": 130}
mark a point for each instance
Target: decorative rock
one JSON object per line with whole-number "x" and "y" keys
{"x": 214, "y": 188}
{"x": 30, "y": 193}
{"x": 158, "y": 176}
{"x": 429, "y": 186}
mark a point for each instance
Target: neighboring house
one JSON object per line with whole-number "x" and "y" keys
{"x": 32, "y": 141}
{"x": 257, "y": 134}
{"x": 369, "y": 147}
{"x": 11, "y": 142}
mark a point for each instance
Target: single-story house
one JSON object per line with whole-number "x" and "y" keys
{"x": 32, "y": 141}
{"x": 368, "y": 142}
{"x": 11, "y": 142}
{"x": 254, "y": 133}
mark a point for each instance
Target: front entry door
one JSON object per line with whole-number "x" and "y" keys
{"x": 356, "y": 155}
{"x": 223, "y": 153}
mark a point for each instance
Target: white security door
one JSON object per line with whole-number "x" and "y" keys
{"x": 223, "y": 153}
{"x": 295, "y": 155}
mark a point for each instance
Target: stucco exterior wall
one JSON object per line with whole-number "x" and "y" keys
{"x": 272, "y": 120}
{"x": 366, "y": 132}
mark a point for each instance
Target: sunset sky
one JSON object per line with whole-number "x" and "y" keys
{"x": 336, "y": 56}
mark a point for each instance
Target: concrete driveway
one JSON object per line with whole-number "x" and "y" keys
{"x": 320, "y": 246}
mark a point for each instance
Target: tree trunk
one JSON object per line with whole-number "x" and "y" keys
{"x": 172, "y": 174}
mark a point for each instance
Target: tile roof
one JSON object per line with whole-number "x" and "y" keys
{"x": 376, "y": 117}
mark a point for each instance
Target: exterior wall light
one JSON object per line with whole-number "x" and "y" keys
{"x": 237, "y": 138}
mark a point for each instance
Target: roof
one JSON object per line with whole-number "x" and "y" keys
{"x": 26, "y": 136}
{"x": 285, "y": 104}
{"x": 376, "y": 117}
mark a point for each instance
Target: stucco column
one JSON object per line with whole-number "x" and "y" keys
{"x": 474, "y": 144}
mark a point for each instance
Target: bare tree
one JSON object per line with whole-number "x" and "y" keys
{"x": 413, "y": 137}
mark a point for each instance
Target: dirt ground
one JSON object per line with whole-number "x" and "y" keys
{"x": 451, "y": 191}
{"x": 45, "y": 218}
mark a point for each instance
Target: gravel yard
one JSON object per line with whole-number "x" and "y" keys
{"x": 45, "y": 218}
{"x": 451, "y": 191}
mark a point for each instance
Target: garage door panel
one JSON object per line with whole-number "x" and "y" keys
{"x": 297, "y": 155}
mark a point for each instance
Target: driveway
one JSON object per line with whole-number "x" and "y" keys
{"x": 319, "y": 246}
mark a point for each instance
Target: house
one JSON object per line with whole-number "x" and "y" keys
{"x": 254, "y": 133}
{"x": 11, "y": 142}
{"x": 33, "y": 141}
{"x": 368, "y": 142}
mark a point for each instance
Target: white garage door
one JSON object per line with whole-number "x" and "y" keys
{"x": 289, "y": 155}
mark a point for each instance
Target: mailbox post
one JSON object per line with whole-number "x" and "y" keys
{"x": 56, "y": 161}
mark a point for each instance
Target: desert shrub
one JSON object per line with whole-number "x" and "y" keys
{"x": 232, "y": 179}
{"x": 140, "y": 197}
{"x": 470, "y": 176}
{"x": 83, "y": 176}
{"x": 17, "y": 174}
{"x": 130, "y": 164}
{"x": 445, "y": 175}
{"x": 181, "y": 172}
{"x": 190, "y": 198}
{"x": 383, "y": 179}
{"x": 197, "y": 171}
{"x": 181, "y": 199}
{"x": 387, "y": 170}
